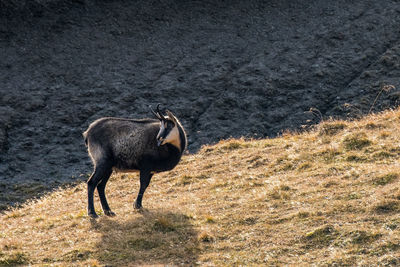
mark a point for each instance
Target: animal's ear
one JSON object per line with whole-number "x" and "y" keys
{"x": 171, "y": 116}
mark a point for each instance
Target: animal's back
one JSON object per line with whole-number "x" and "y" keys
{"x": 120, "y": 140}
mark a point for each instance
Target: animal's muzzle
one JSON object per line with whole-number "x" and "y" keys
{"x": 159, "y": 142}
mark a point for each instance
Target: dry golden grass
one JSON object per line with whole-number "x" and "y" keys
{"x": 328, "y": 197}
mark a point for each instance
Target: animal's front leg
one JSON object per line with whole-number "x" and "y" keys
{"x": 145, "y": 177}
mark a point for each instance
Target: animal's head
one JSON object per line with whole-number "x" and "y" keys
{"x": 169, "y": 132}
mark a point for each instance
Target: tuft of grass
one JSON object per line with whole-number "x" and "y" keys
{"x": 331, "y": 128}
{"x": 76, "y": 255}
{"x": 13, "y": 259}
{"x": 39, "y": 219}
{"x": 385, "y": 179}
{"x": 374, "y": 126}
{"x": 278, "y": 194}
{"x": 29, "y": 189}
{"x": 303, "y": 214}
{"x": 304, "y": 166}
{"x": 363, "y": 237}
{"x": 14, "y": 214}
{"x": 328, "y": 155}
{"x": 356, "y": 141}
{"x": 233, "y": 144}
{"x": 384, "y": 134}
{"x": 329, "y": 184}
{"x": 142, "y": 244}
{"x": 205, "y": 237}
{"x": 389, "y": 261}
{"x": 164, "y": 224}
{"x": 381, "y": 155}
{"x": 284, "y": 187}
{"x": 342, "y": 261}
{"x": 354, "y": 195}
{"x": 210, "y": 219}
{"x": 386, "y": 206}
{"x": 388, "y": 247}
{"x": 322, "y": 236}
{"x": 355, "y": 158}
{"x": 185, "y": 180}
{"x": 249, "y": 221}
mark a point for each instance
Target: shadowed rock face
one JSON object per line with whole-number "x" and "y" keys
{"x": 226, "y": 68}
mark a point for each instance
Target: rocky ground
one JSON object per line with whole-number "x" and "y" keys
{"x": 226, "y": 68}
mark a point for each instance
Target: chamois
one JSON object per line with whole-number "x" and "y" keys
{"x": 145, "y": 145}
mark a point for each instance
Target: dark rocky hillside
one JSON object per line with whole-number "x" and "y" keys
{"x": 226, "y": 68}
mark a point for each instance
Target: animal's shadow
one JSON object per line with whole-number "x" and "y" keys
{"x": 150, "y": 238}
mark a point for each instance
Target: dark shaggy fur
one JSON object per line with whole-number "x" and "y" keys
{"x": 129, "y": 145}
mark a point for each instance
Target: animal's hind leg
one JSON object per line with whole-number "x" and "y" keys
{"x": 101, "y": 190}
{"x": 99, "y": 173}
{"x": 145, "y": 177}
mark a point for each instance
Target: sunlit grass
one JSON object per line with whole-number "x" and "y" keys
{"x": 330, "y": 196}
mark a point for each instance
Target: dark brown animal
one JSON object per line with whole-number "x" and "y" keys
{"x": 145, "y": 145}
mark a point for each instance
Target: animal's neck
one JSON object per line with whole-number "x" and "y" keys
{"x": 182, "y": 138}
{"x": 173, "y": 138}
{"x": 177, "y": 143}
{"x": 177, "y": 138}
{"x": 181, "y": 141}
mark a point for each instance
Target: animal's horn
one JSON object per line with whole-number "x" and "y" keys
{"x": 159, "y": 112}
{"x": 156, "y": 114}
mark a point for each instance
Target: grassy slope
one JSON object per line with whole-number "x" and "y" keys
{"x": 329, "y": 196}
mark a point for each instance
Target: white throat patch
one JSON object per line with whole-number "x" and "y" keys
{"x": 173, "y": 137}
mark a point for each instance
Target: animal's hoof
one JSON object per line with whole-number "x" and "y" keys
{"x": 109, "y": 213}
{"x": 137, "y": 206}
{"x": 93, "y": 215}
